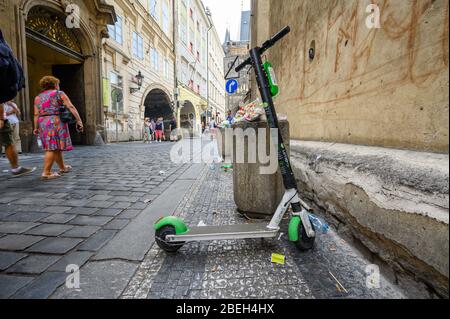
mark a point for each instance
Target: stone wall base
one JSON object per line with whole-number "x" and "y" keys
{"x": 393, "y": 204}
{"x": 128, "y": 136}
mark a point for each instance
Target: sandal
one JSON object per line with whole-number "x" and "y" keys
{"x": 68, "y": 169}
{"x": 50, "y": 177}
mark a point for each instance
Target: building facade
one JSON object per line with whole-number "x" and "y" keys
{"x": 245, "y": 31}
{"x": 217, "y": 95}
{"x": 236, "y": 52}
{"x": 60, "y": 38}
{"x": 365, "y": 90}
{"x": 197, "y": 45}
{"x": 140, "y": 45}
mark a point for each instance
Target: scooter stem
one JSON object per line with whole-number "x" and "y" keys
{"x": 272, "y": 120}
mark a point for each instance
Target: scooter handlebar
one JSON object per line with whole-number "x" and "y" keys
{"x": 241, "y": 66}
{"x": 277, "y": 37}
{"x": 268, "y": 44}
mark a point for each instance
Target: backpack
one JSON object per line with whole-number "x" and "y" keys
{"x": 11, "y": 73}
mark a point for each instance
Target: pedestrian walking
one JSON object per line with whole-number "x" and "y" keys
{"x": 173, "y": 130}
{"x": 54, "y": 134}
{"x": 203, "y": 127}
{"x": 7, "y": 141}
{"x": 147, "y": 131}
{"x": 159, "y": 130}
{"x": 12, "y": 114}
{"x": 230, "y": 117}
{"x": 153, "y": 129}
{"x": 12, "y": 78}
{"x": 12, "y": 81}
{"x": 212, "y": 128}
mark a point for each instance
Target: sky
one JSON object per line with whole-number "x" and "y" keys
{"x": 227, "y": 13}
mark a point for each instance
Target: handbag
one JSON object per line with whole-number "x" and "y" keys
{"x": 64, "y": 114}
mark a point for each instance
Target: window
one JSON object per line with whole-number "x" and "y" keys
{"x": 204, "y": 32}
{"x": 138, "y": 46}
{"x": 204, "y": 87}
{"x": 183, "y": 23}
{"x": 204, "y": 54}
{"x": 165, "y": 17}
{"x": 198, "y": 80}
{"x": 166, "y": 69}
{"x": 154, "y": 57}
{"x": 183, "y": 34}
{"x": 115, "y": 31}
{"x": 135, "y": 43}
{"x": 152, "y": 9}
{"x": 116, "y": 92}
{"x": 191, "y": 39}
{"x": 184, "y": 72}
{"x": 197, "y": 42}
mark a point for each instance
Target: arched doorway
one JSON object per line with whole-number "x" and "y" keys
{"x": 188, "y": 118}
{"x": 157, "y": 104}
{"x": 54, "y": 49}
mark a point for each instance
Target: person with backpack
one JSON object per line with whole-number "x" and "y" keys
{"x": 173, "y": 130}
{"x": 12, "y": 81}
{"x": 11, "y": 73}
{"x": 160, "y": 130}
{"x": 50, "y": 128}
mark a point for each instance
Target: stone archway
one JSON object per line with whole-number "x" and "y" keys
{"x": 157, "y": 104}
{"x": 84, "y": 65}
{"x": 53, "y": 49}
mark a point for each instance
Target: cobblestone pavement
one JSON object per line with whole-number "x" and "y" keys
{"x": 243, "y": 269}
{"x": 100, "y": 218}
{"x": 45, "y": 226}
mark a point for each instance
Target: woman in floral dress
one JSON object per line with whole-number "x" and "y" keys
{"x": 54, "y": 134}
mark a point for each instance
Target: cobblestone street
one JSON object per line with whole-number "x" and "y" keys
{"x": 100, "y": 218}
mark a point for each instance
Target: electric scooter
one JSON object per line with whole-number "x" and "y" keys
{"x": 172, "y": 233}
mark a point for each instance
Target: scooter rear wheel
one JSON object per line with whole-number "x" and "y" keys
{"x": 161, "y": 236}
{"x": 304, "y": 243}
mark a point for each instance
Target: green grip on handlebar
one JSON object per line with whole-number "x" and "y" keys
{"x": 274, "y": 88}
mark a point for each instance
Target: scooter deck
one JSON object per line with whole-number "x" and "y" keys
{"x": 231, "y": 232}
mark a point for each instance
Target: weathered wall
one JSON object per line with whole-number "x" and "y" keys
{"x": 394, "y": 203}
{"x": 384, "y": 87}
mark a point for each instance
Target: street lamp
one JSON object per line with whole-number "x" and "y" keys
{"x": 139, "y": 80}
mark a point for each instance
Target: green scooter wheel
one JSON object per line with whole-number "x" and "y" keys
{"x": 161, "y": 236}
{"x": 304, "y": 243}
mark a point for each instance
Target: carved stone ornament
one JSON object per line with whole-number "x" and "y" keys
{"x": 51, "y": 25}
